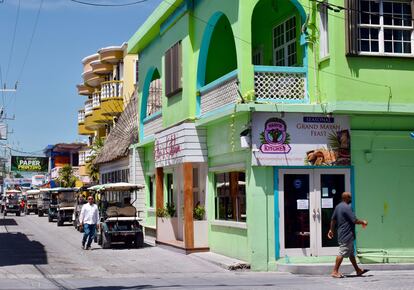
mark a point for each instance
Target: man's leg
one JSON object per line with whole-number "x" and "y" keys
{"x": 354, "y": 263}
{"x": 91, "y": 235}
{"x": 338, "y": 262}
{"x": 85, "y": 234}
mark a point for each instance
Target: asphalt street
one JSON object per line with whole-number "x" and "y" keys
{"x": 36, "y": 254}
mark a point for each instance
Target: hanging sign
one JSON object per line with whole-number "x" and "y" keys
{"x": 300, "y": 139}
{"x": 28, "y": 163}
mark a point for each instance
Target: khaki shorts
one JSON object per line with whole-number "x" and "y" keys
{"x": 346, "y": 249}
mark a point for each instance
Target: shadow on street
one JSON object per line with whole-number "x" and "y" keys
{"x": 17, "y": 249}
{"x": 7, "y": 222}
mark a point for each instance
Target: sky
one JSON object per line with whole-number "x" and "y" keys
{"x": 44, "y": 109}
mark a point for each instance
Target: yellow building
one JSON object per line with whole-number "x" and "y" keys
{"x": 108, "y": 85}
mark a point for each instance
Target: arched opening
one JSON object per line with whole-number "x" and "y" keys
{"x": 151, "y": 103}
{"x": 282, "y": 21}
{"x": 218, "y": 50}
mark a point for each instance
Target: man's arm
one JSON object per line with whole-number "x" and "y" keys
{"x": 81, "y": 215}
{"x": 331, "y": 229}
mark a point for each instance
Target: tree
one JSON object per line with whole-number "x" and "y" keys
{"x": 93, "y": 169}
{"x": 66, "y": 177}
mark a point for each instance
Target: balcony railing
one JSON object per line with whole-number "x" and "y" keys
{"x": 280, "y": 84}
{"x": 83, "y": 156}
{"x": 219, "y": 93}
{"x": 112, "y": 89}
{"x": 55, "y": 172}
{"x": 81, "y": 116}
{"x": 96, "y": 100}
{"x": 88, "y": 107}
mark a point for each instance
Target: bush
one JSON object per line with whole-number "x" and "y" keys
{"x": 161, "y": 212}
{"x": 170, "y": 208}
{"x": 198, "y": 212}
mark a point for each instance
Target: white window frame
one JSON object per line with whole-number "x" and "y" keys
{"x": 257, "y": 58}
{"x": 285, "y": 44}
{"x": 323, "y": 30}
{"x": 381, "y": 26}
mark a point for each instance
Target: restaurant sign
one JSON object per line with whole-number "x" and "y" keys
{"x": 179, "y": 144}
{"x": 300, "y": 139}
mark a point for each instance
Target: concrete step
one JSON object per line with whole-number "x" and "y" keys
{"x": 222, "y": 261}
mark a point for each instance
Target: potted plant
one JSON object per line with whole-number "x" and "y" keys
{"x": 200, "y": 227}
{"x": 198, "y": 212}
{"x": 167, "y": 225}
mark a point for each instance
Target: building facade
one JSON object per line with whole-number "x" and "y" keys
{"x": 263, "y": 112}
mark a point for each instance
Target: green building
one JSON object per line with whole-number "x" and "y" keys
{"x": 263, "y": 112}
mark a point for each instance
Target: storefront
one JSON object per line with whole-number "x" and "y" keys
{"x": 180, "y": 157}
{"x": 311, "y": 161}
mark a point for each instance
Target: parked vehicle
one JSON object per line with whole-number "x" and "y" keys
{"x": 65, "y": 205}
{"x": 31, "y": 201}
{"x": 119, "y": 220}
{"x": 11, "y": 204}
{"x": 80, "y": 201}
{"x": 53, "y": 205}
{"x": 43, "y": 202}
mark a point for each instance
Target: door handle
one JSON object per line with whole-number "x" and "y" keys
{"x": 318, "y": 214}
{"x": 314, "y": 214}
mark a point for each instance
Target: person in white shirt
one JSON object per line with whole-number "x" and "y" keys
{"x": 88, "y": 219}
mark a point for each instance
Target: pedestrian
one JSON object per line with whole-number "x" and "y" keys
{"x": 88, "y": 219}
{"x": 344, "y": 220}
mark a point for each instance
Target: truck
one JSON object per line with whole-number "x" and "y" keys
{"x": 119, "y": 221}
{"x": 11, "y": 202}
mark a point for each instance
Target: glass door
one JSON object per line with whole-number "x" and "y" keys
{"x": 307, "y": 199}
{"x": 295, "y": 202}
{"x": 329, "y": 186}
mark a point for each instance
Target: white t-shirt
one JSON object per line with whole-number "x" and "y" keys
{"x": 89, "y": 214}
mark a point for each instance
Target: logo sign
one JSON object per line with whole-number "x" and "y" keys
{"x": 29, "y": 164}
{"x": 300, "y": 139}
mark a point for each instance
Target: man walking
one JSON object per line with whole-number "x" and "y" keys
{"x": 345, "y": 220}
{"x": 88, "y": 219}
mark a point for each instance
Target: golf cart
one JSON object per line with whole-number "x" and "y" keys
{"x": 119, "y": 221}
{"x": 81, "y": 199}
{"x": 31, "y": 201}
{"x": 43, "y": 201}
{"x": 11, "y": 203}
{"x": 65, "y": 205}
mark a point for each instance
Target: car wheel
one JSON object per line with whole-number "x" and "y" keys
{"x": 139, "y": 240}
{"x": 5, "y": 213}
{"x": 59, "y": 222}
{"x": 99, "y": 237}
{"x": 18, "y": 213}
{"x": 50, "y": 219}
{"x": 40, "y": 213}
{"x": 106, "y": 241}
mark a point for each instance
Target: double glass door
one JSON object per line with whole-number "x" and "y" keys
{"x": 307, "y": 199}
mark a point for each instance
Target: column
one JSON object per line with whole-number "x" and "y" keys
{"x": 188, "y": 206}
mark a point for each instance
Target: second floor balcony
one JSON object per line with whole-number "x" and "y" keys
{"x": 112, "y": 98}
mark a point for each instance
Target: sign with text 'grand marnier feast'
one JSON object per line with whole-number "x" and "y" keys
{"x": 300, "y": 139}
{"x": 29, "y": 163}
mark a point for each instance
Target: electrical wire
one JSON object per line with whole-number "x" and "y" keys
{"x": 108, "y": 5}
{"x": 30, "y": 42}
{"x": 13, "y": 40}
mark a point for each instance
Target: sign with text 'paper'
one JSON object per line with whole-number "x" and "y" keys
{"x": 29, "y": 164}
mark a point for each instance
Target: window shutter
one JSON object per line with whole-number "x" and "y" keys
{"x": 351, "y": 22}
{"x": 173, "y": 70}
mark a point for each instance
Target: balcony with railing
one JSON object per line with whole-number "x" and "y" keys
{"x": 112, "y": 98}
{"x": 83, "y": 156}
{"x": 96, "y": 100}
{"x": 81, "y": 116}
{"x": 55, "y": 172}
{"x": 88, "y": 107}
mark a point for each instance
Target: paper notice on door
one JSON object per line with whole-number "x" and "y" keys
{"x": 325, "y": 191}
{"x": 327, "y": 202}
{"x": 302, "y": 204}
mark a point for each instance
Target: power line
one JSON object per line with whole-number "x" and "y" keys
{"x": 108, "y": 5}
{"x": 30, "y": 42}
{"x": 13, "y": 40}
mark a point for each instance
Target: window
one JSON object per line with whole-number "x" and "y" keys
{"x": 154, "y": 98}
{"x": 136, "y": 71}
{"x": 284, "y": 43}
{"x": 170, "y": 189}
{"x": 231, "y": 196}
{"x": 385, "y": 27}
{"x": 151, "y": 192}
{"x": 323, "y": 30}
{"x": 257, "y": 56}
{"x": 173, "y": 70}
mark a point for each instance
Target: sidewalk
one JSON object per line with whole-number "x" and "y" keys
{"x": 298, "y": 268}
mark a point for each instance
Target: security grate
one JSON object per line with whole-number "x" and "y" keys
{"x": 221, "y": 95}
{"x": 280, "y": 86}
